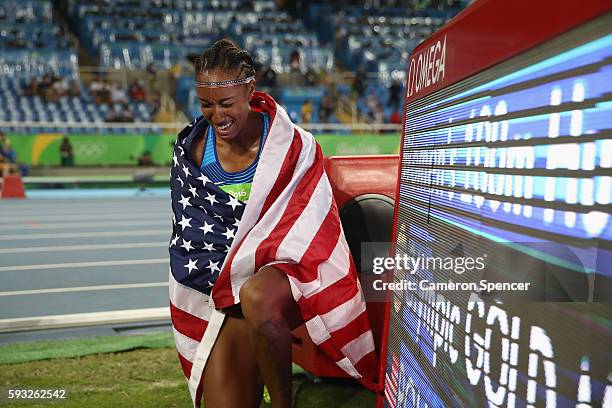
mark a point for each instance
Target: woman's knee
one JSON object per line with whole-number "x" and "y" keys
{"x": 263, "y": 298}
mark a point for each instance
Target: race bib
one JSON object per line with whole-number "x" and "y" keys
{"x": 241, "y": 191}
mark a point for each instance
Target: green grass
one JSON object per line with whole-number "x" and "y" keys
{"x": 42, "y": 350}
{"x": 139, "y": 377}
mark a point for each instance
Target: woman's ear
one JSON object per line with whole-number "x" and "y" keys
{"x": 251, "y": 90}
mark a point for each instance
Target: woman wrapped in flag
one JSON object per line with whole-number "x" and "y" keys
{"x": 257, "y": 247}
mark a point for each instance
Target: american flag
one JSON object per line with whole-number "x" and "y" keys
{"x": 291, "y": 221}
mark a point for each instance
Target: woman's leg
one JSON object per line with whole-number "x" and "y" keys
{"x": 231, "y": 376}
{"x": 271, "y": 312}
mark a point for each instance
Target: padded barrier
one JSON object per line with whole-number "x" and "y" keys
{"x": 12, "y": 187}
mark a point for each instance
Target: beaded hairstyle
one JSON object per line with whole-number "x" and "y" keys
{"x": 226, "y": 56}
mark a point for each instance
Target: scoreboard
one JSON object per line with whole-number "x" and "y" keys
{"x": 506, "y": 158}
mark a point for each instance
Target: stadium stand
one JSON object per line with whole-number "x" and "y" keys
{"x": 137, "y": 35}
{"x": 41, "y": 80}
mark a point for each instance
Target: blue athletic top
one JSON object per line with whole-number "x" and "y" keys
{"x": 237, "y": 183}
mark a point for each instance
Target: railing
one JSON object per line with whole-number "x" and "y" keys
{"x": 174, "y": 127}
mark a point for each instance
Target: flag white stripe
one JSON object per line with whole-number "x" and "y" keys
{"x": 317, "y": 331}
{"x": 345, "y": 313}
{"x": 329, "y": 272}
{"x": 203, "y": 351}
{"x": 347, "y": 366}
{"x": 185, "y": 346}
{"x": 359, "y": 347}
{"x": 188, "y": 300}
{"x": 302, "y": 233}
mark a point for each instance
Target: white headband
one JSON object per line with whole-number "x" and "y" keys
{"x": 223, "y": 84}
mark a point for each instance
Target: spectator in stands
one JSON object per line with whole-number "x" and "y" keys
{"x": 295, "y": 61}
{"x": 327, "y": 109}
{"x": 137, "y": 92}
{"x": 95, "y": 89}
{"x": 306, "y": 112}
{"x": 66, "y": 153}
{"x": 295, "y": 76}
{"x": 359, "y": 82}
{"x": 376, "y": 111}
{"x": 113, "y": 114}
{"x": 395, "y": 94}
{"x": 155, "y": 103}
{"x": 31, "y": 88}
{"x": 58, "y": 89}
{"x": 145, "y": 159}
{"x": 105, "y": 91}
{"x": 395, "y": 118}
{"x": 126, "y": 113}
{"x": 151, "y": 70}
{"x": 74, "y": 89}
{"x": 8, "y": 158}
{"x": 378, "y": 114}
{"x": 119, "y": 113}
{"x": 118, "y": 95}
{"x": 268, "y": 77}
{"x": 372, "y": 102}
{"x": 45, "y": 83}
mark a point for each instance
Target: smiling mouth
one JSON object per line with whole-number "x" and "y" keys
{"x": 223, "y": 127}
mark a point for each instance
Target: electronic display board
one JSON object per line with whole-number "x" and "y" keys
{"x": 510, "y": 172}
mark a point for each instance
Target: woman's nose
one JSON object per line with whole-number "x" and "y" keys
{"x": 217, "y": 114}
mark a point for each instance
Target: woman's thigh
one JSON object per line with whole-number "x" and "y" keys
{"x": 231, "y": 376}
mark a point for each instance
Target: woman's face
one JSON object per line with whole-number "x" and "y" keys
{"x": 226, "y": 108}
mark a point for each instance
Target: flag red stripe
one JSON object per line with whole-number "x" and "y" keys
{"x": 286, "y": 172}
{"x": 352, "y": 330}
{"x": 320, "y": 248}
{"x": 368, "y": 367}
{"x": 187, "y": 324}
{"x": 343, "y": 336}
{"x": 266, "y": 251}
{"x": 329, "y": 298}
{"x": 186, "y": 365}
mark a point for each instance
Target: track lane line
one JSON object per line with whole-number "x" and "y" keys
{"x": 84, "y": 319}
{"x": 13, "y": 237}
{"x": 84, "y": 264}
{"x": 162, "y": 244}
{"x": 83, "y": 289}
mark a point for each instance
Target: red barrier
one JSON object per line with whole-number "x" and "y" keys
{"x": 350, "y": 177}
{"x": 12, "y": 187}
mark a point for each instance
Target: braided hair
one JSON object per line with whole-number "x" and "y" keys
{"x": 226, "y": 56}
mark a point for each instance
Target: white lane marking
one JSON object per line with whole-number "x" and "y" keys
{"x": 83, "y": 289}
{"x": 84, "y": 264}
{"x": 85, "y": 234}
{"x": 163, "y": 244}
{"x": 84, "y": 319}
{"x": 85, "y": 216}
{"x": 83, "y": 210}
{"x": 73, "y": 225}
{"x": 73, "y": 205}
